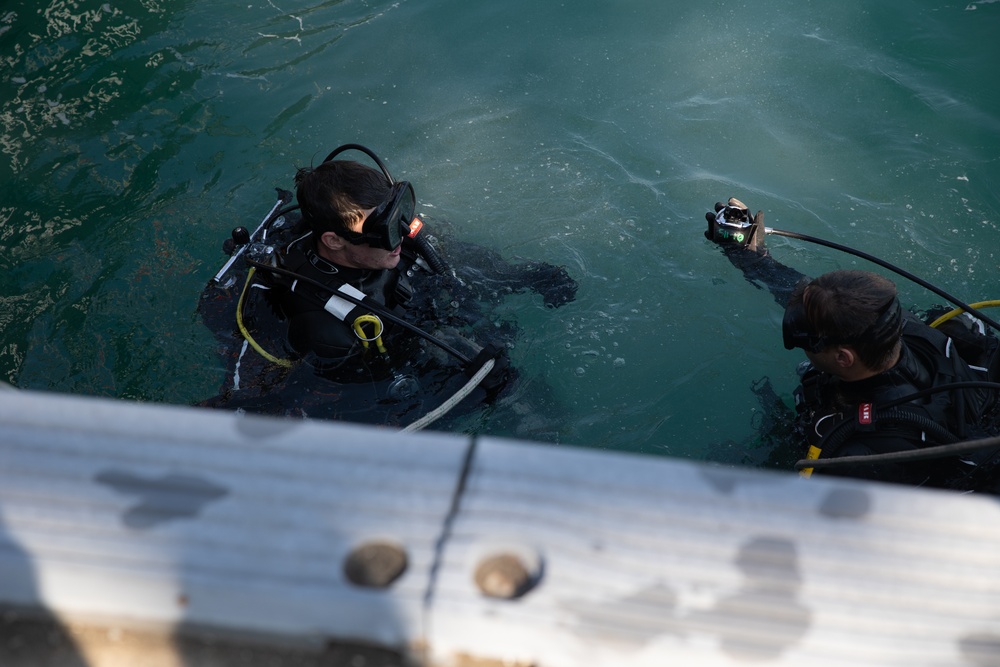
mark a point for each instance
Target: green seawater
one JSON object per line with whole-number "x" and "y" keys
{"x": 135, "y": 134}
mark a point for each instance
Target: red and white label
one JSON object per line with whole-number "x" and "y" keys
{"x": 865, "y": 413}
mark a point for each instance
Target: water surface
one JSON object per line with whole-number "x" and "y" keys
{"x": 134, "y": 135}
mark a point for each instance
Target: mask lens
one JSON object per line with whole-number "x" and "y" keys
{"x": 790, "y": 326}
{"x": 795, "y": 330}
{"x": 401, "y": 215}
{"x": 387, "y": 225}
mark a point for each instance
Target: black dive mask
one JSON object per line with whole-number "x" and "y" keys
{"x": 389, "y": 223}
{"x": 796, "y": 332}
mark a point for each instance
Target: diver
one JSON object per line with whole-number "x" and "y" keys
{"x": 348, "y": 287}
{"x": 878, "y": 380}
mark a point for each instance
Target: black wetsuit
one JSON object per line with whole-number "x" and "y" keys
{"x": 832, "y": 412}
{"x": 311, "y": 328}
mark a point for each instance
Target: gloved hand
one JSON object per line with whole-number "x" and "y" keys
{"x": 730, "y": 224}
{"x": 500, "y": 372}
{"x": 554, "y": 283}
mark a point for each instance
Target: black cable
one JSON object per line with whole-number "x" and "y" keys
{"x": 374, "y": 307}
{"x": 881, "y": 262}
{"x": 430, "y": 253}
{"x": 836, "y": 438}
{"x": 934, "y": 452}
{"x": 938, "y": 389}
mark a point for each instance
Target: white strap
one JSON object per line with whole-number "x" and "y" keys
{"x": 338, "y": 307}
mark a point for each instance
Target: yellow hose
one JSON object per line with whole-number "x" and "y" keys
{"x": 246, "y": 334}
{"x": 813, "y": 454}
{"x": 958, "y": 311}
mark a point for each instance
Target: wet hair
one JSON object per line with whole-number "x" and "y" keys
{"x": 845, "y": 306}
{"x": 335, "y": 195}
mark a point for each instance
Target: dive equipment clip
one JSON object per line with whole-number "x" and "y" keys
{"x": 284, "y": 196}
{"x": 359, "y": 331}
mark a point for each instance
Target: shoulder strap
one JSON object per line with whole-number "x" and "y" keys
{"x": 342, "y": 308}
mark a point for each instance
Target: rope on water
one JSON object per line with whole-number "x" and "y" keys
{"x": 445, "y": 407}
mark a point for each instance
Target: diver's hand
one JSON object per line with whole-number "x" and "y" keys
{"x": 499, "y": 374}
{"x": 731, "y": 224}
{"x": 553, "y": 283}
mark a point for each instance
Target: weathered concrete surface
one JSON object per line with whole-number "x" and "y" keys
{"x": 297, "y": 542}
{"x": 30, "y": 640}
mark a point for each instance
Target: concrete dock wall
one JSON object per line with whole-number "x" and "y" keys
{"x": 168, "y": 525}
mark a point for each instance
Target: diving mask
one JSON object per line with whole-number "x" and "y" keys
{"x": 390, "y": 222}
{"x": 797, "y": 332}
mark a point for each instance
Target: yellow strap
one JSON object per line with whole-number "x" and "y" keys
{"x": 246, "y": 334}
{"x": 813, "y": 454}
{"x": 958, "y": 311}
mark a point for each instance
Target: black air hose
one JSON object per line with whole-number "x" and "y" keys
{"x": 895, "y": 416}
{"x": 430, "y": 253}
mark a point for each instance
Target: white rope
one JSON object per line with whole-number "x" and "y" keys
{"x": 445, "y": 407}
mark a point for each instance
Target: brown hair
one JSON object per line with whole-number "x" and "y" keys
{"x": 844, "y": 306}
{"x": 335, "y": 195}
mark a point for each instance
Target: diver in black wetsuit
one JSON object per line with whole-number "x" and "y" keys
{"x": 347, "y": 287}
{"x": 358, "y": 240}
{"x": 875, "y": 378}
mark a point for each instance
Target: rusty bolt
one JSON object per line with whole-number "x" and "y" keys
{"x": 504, "y": 576}
{"x": 375, "y": 564}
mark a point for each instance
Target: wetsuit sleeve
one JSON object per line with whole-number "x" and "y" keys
{"x": 763, "y": 271}
{"x": 490, "y": 277}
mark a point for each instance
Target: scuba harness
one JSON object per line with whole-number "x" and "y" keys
{"x": 386, "y": 227}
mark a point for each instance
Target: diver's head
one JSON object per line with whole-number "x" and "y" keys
{"x": 335, "y": 195}
{"x": 357, "y": 216}
{"x": 845, "y": 317}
